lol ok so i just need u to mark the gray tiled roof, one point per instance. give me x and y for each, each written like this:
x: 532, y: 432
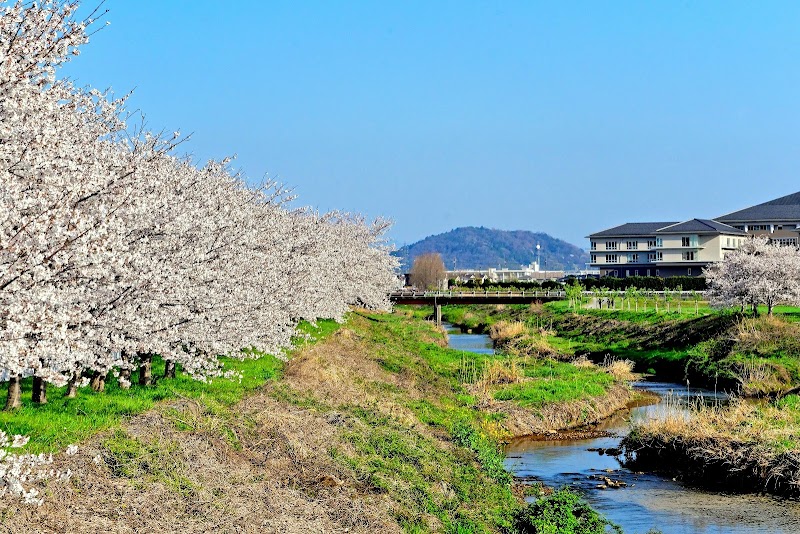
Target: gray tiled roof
x: 781, y: 209
x: 700, y: 226
x: 633, y: 229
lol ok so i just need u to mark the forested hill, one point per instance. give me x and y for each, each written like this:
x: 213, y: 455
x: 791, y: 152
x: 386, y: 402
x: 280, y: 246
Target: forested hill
x: 481, y: 248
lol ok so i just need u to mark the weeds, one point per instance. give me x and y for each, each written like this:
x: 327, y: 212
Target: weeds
x: 563, y: 512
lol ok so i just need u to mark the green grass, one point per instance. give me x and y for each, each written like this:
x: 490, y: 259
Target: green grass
x: 64, y: 421
x: 466, y: 487
x: 425, y: 478
x: 150, y: 461
x: 703, y: 348
x: 646, y: 314
x: 553, y: 381
x: 556, y: 382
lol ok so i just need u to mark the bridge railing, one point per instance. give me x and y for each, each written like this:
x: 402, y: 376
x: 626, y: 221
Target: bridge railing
x: 553, y: 293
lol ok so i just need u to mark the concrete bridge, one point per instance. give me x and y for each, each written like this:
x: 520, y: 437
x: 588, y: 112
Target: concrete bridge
x: 437, y: 299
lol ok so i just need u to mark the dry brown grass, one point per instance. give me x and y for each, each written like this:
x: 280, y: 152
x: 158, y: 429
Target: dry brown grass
x: 759, y: 377
x: 276, y: 476
x: 583, y: 362
x: 339, y: 373
x: 740, y: 420
x: 535, y: 345
x: 766, y: 335
x: 748, y: 446
x: 620, y: 369
x: 517, y: 339
x: 504, y: 331
x: 264, y: 466
x: 500, y: 372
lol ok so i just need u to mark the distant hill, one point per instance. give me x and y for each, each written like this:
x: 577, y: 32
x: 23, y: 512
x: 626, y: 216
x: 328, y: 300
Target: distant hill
x: 481, y: 248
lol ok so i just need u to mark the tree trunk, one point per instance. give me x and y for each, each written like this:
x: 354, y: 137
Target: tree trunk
x: 169, y: 369
x: 99, y: 382
x: 39, y: 393
x: 755, y: 310
x: 145, y: 369
x: 125, y: 379
x: 14, y: 399
x: 72, y: 386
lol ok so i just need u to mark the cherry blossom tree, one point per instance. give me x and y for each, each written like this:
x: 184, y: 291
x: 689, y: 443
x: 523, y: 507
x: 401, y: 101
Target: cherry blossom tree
x: 114, y: 249
x: 760, y: 272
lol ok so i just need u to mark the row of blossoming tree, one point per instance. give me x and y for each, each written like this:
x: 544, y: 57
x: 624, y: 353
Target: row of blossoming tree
x: 760, y: 272
x: 113, y: 249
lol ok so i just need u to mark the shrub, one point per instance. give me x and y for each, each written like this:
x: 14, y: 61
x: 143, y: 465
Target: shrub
x: 563, y: 512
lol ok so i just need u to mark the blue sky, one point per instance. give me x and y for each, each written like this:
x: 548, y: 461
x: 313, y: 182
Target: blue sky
x: 562, y: 117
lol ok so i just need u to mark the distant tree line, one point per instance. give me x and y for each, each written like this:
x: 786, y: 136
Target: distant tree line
x: 648, y: 283
x: 514, y: 284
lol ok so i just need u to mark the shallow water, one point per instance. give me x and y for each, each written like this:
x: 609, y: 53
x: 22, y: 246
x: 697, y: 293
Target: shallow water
x: 649, y: 501
x: 470, y: 342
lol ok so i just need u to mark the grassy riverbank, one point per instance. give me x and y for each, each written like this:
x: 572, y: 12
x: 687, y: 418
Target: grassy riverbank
x: 527, y: 390
x: 754, y: 356
x: 750, y: 447
x: 375, y: 426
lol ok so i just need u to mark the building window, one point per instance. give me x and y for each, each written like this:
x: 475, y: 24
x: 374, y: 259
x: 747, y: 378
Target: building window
x: 759, y: 228
x: 659, y: 257
x: 627, y: 273
x: 633, y: 258
x: 690, y: 241
x: 659, y: 242
x: 611, y: 245
x: 636, y: 272
x: 648, y: 272
x: 657, y: 272
x: 786, y: 241
x: 594, y: 258
x: 611, y: 258
x: 651, y: 257
x: 689, y: 271
x: 688, y: 256
x: 594, y: 245
x: 651, y: 243
x: 633, y: 245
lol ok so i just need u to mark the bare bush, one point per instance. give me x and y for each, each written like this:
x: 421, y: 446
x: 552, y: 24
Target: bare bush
x: 428, y: 271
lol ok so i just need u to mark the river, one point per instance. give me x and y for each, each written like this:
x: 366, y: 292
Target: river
x: 648, y: 501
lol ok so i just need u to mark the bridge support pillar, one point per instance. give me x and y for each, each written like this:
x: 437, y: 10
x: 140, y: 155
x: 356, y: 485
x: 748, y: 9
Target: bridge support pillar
x: 437, y: 314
